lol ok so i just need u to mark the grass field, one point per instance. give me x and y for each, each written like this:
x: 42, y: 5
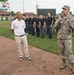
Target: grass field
x: 45, y: 44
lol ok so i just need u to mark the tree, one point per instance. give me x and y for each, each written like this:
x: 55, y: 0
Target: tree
x: 12, y: 13
x: 3, y: 0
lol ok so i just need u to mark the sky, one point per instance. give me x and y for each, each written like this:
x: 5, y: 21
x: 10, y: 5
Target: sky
x: 30, y: 5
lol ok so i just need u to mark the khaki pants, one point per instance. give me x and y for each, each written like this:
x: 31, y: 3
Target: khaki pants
x: 22, y: 44
x: 65, y: 50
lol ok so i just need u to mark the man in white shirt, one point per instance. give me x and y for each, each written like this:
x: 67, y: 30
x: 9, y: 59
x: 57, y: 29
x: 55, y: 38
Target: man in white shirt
x: 18, y: 28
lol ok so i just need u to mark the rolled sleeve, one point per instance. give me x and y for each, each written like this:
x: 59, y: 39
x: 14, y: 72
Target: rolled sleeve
x: 12, y: 25
x: 24, y: 24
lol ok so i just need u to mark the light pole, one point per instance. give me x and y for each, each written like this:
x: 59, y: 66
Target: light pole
x: 36, y: 6
x: 23, y: 7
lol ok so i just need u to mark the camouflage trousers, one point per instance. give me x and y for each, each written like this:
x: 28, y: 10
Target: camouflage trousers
x: 65, y: 50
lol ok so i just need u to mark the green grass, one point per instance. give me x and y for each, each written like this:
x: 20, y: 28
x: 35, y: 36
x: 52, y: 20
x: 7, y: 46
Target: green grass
x: 45, y: 44
x: 5, y: 29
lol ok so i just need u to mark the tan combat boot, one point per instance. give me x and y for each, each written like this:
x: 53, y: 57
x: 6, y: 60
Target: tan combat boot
x: 63, y: 65
x: 72, y: 68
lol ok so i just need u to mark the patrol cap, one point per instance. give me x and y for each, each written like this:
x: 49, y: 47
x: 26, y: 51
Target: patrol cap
x: 66, y: 7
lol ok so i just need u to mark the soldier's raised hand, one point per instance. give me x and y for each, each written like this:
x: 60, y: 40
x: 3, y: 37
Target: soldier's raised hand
x: 69, y: 22
x: 60, y: 18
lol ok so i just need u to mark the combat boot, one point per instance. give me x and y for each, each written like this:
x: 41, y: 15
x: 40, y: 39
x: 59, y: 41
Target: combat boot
x: 63, y: 65
x: 72, y: 68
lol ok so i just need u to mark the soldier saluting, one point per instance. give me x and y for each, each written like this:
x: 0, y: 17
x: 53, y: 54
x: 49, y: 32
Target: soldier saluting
x: 65, y: 25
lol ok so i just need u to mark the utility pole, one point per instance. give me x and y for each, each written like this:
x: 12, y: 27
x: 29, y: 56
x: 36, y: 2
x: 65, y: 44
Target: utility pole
x: 23, y: 7
x: 36, y: 6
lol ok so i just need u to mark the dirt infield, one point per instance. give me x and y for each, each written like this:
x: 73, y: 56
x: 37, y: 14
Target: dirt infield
x: 42, y: 63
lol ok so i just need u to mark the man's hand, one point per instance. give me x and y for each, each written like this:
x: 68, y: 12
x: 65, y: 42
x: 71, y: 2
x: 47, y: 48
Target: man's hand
x: 69, y: 23
x: 60, y: 18
x: 51, y: 26
x: 12, y: 31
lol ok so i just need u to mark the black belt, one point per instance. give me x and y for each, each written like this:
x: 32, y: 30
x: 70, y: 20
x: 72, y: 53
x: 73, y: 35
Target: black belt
x: 19, y: 35
x: 64, y: 39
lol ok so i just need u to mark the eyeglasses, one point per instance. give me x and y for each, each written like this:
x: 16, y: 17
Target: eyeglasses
x: 64, y: 9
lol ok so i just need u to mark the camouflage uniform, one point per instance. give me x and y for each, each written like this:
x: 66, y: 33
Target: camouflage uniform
x: 65, y: 38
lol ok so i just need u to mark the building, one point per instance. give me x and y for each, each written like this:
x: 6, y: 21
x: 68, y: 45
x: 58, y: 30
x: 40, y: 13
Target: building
x: 46, y: 11
x: 4, y: 10
x: 4, y: 15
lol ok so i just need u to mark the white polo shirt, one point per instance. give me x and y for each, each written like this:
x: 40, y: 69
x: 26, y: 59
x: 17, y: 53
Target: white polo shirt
x: 18, y: 27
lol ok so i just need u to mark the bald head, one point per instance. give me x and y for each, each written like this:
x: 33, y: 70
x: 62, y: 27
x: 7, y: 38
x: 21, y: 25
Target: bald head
x: 19, y: 15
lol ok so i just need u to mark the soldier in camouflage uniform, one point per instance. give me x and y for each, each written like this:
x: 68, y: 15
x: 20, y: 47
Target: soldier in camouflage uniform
x: 64, y: 25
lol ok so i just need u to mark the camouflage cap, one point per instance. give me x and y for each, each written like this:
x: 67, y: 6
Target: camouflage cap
x: 66, y: 7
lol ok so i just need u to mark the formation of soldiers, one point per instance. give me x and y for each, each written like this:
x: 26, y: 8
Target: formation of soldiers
x: 39, y: 25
